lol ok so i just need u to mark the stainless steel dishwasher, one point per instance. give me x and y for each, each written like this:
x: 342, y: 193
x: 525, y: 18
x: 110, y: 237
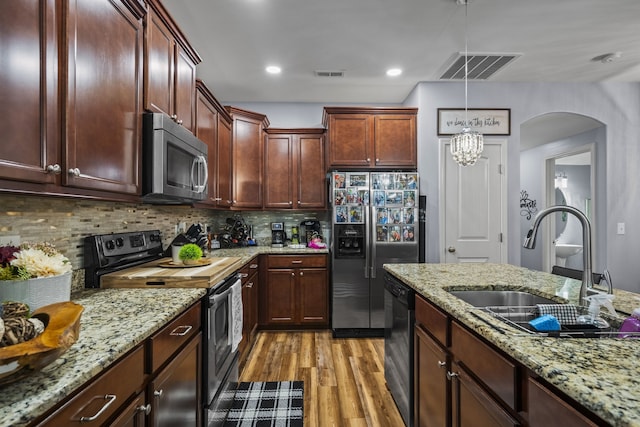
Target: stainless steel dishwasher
x: 399, y: 311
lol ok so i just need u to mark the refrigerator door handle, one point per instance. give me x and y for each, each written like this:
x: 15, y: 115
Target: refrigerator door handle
x: 372, y: 244
x: 367, y: 244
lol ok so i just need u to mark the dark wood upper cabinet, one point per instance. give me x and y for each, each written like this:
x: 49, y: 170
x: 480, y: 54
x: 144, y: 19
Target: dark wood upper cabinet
x: 364, y: 138
x: 29, y: 115
x: 248, y: 157
x: 294, y: 176
x: 103, y: 97
x: 213, y: 124
x: 170, y: 71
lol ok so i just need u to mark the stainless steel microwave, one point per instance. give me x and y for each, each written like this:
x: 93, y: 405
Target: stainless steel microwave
x: 175, y: 167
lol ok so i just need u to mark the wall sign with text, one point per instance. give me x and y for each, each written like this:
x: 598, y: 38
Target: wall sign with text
x: 484, y: 120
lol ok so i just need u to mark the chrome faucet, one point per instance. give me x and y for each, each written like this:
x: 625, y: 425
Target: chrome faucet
x: 530, y: 242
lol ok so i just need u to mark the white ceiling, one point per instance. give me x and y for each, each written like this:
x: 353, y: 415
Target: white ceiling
x: 237, y: 39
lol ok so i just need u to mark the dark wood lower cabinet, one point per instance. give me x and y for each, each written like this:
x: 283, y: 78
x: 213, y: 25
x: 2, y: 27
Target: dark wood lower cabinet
x: 295, y: 291
x: 472, y: 406
x: 135, y: 414
x: 547, y: 409
x: 432, y: 388
x: 175, y: 392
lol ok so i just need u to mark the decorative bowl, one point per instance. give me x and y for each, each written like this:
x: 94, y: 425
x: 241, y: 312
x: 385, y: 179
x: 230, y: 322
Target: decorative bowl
x: 62, y: 329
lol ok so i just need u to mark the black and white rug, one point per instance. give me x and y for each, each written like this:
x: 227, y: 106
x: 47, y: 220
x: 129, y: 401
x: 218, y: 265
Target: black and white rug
x: 263, y: 404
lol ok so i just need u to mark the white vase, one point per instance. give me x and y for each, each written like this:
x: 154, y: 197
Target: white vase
x: 37, y: 292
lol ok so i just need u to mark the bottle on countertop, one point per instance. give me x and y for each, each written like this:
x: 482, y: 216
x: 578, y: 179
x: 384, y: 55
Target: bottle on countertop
x: 631, y: 324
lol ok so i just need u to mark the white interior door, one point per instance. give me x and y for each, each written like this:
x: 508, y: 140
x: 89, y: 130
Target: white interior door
x: 473, y: 206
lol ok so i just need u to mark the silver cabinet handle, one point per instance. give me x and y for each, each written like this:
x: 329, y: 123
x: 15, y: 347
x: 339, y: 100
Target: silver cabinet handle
x: 302, y: 273
x: 174, y: 117
x: 377, y: 160
x: 253, y: 266
x: 452, y: 375
x: 180, y: 121
x: 181, y: 331
x: 74, y: 171
x: 250, y: 285
x: 451, y: 249
x: 55, y: 169
x: 293, y: 274
x: 158, y: 393
x: 110, y: 398
x: 243, y: 275
x: 144, y: 408
x: 441, y: 364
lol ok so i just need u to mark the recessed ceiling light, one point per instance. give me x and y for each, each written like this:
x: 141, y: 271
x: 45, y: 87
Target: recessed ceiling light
x: 273, y: 69
x: 393, y: 72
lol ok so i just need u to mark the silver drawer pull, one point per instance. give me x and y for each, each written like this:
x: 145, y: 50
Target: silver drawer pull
x: 181, y: 331
x: 110, y: 398
x: 297, y: 261
x: 144, y: 408
x: 158, y: 393
x: 243, y: 275
x: 253, y: 266
x: 452, y: 375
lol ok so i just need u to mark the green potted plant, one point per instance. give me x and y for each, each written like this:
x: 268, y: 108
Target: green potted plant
x: 190, y: 254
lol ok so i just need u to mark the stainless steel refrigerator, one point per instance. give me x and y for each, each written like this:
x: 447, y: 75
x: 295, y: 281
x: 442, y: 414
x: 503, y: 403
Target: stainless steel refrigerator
x: 375, y: 222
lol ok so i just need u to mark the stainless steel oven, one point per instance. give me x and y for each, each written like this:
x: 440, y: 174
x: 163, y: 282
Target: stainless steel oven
x: 222, y: 359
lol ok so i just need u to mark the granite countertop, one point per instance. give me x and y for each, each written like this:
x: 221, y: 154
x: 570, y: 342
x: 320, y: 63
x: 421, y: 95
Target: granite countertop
x: 251, y: 251
x: 113, y: 322
x: 602, y: 374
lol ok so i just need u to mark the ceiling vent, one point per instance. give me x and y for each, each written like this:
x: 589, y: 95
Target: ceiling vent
x: 481, y: 65
x: 326, y: 73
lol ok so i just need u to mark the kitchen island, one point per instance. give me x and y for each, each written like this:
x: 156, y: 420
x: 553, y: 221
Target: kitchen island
x: 600, y: 374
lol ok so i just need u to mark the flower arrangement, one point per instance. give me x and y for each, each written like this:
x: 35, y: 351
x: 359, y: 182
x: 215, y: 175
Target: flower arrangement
x: 30, y: 261
x: 190, y: 252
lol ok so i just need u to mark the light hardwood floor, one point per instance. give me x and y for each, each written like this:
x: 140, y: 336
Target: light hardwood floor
x: 343, y: 377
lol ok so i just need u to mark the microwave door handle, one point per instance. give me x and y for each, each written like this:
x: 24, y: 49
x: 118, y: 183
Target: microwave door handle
x: 205, y: 167
x: 194, y: 164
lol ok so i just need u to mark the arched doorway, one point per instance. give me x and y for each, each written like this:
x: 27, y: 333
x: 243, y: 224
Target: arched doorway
x: 562, y: 162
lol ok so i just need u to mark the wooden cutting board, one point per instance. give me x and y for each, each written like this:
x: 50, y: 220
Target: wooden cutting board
x: 152, y: 275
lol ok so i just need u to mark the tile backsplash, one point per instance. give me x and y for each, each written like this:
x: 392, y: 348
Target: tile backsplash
x: 65, y: 222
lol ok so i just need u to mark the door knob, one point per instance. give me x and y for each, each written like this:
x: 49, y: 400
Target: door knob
x: 451, y: 249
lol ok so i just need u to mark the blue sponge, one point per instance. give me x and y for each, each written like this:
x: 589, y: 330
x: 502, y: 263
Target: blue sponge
x: 545, y: 323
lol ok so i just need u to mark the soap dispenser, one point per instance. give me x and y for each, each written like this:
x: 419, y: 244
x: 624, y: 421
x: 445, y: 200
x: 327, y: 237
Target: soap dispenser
x: 595, y: 302
x: 631, y: 324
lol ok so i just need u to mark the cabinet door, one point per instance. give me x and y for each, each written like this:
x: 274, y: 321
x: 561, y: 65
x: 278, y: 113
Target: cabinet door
x: 395, y: 140
x: 432, y: 389
x: 350, y: 140
x: 207, y: 132
x: 185, y: 88
x: 314, y: 295
x: 159, y: 62
x: 279, y: 174
x: 311, y: 172
x: 175, y: 392
x: 547, y: 409
x: 247, y: 163
x: 104, y: 99
x: 134, y: 415
x: 280, y: 303
x: 224, y: 170
x: 474, y: 407
x: 30, y: 141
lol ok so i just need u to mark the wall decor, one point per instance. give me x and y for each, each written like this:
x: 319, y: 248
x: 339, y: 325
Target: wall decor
x: 484, y: 120
x: 527, y: 206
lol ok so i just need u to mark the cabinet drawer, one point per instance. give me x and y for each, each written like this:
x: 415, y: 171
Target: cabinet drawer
x: 249, y: 269
x: 295, y: 261
x: 498, y: 373
x: 97, y: 402
x: 546, y: 409
x: 432, y: 320
x: 169, y: 339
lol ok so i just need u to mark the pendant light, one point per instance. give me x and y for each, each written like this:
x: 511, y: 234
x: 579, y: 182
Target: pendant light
x: 466, y: 146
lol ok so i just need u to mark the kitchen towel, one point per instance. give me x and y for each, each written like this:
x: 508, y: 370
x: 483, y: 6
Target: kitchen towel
x: 235, y: 314
x: 567, y: 314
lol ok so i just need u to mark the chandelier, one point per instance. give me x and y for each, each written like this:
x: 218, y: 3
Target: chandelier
x: 466, y: 146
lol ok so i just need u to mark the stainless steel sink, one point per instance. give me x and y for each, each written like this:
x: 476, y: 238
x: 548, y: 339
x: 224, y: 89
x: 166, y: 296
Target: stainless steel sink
x: 492, y: 298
